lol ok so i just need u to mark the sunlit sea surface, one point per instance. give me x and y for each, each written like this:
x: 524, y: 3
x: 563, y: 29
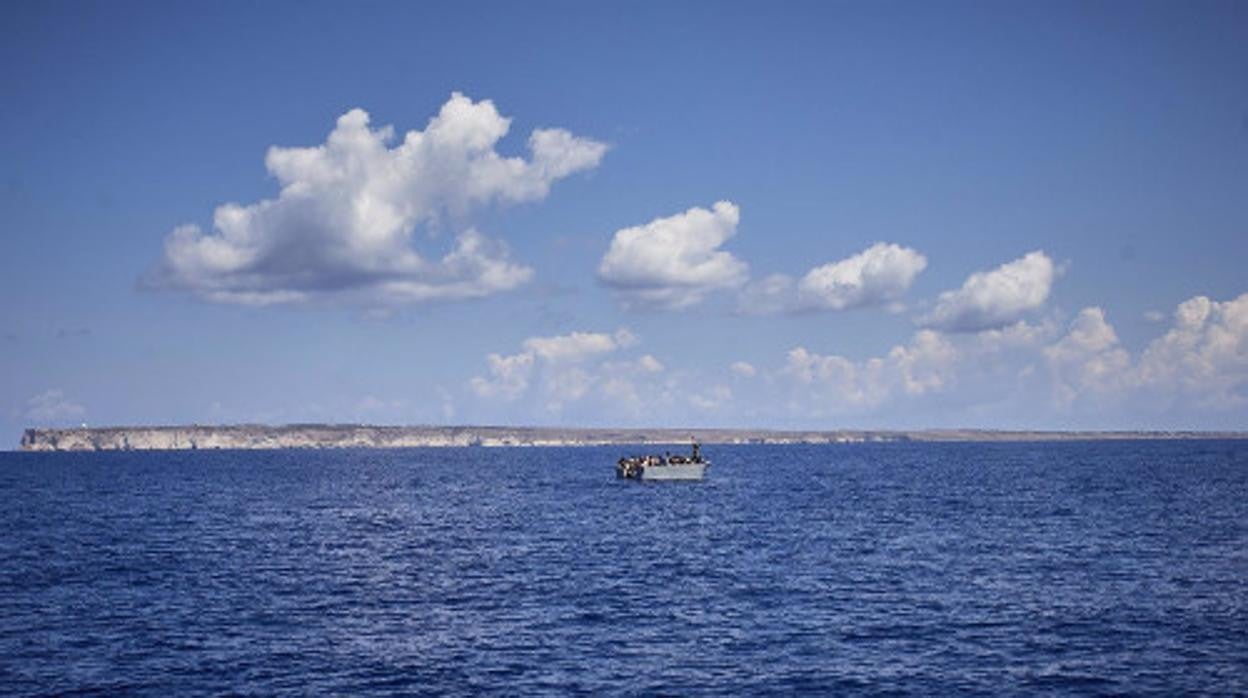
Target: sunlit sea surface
x: 921, y: 569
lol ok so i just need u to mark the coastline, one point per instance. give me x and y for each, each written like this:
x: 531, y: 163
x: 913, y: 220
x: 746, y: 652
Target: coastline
x: 322, y: 436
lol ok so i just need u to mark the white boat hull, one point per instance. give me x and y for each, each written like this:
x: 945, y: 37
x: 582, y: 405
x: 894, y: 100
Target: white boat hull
x: 679, y: 471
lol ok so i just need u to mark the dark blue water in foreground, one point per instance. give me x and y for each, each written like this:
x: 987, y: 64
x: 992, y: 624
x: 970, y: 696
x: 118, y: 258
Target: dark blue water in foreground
x: 1082, y: 568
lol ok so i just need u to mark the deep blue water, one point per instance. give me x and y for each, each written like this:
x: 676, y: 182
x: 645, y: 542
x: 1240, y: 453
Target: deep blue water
x: 921, y: 569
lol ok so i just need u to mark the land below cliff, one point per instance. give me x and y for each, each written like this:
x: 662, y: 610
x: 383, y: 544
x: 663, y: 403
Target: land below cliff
x: 359, y: 436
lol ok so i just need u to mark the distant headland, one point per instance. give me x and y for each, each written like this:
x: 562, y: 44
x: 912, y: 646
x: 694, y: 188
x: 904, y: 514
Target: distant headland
x: 156, y: 438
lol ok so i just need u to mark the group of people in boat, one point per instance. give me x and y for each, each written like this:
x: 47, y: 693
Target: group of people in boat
x: 631, y: 466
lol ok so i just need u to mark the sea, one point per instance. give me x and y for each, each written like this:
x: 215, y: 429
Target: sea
x: 1071, y: 568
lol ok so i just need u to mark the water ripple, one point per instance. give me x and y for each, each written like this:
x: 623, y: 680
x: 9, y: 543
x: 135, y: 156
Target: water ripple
x: 912, y: 569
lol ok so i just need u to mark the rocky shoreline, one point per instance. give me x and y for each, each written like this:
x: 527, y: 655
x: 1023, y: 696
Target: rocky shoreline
x: 253, y: 437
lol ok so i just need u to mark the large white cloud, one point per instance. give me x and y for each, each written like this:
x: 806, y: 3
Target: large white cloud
x: 1203, y: 358
x: 1088, y: 361
x: 1038, y: 375
x: 836, y: 384
x: 593, y: 373
x: 994, y: 299
x: 344, y: 222
x: 1025, y: 375
x: 559, y: 358
x: 577, y: 345
x: 675, y: 262
x: 878, y: 275
x: 934, y: 379
x: 1200, y: 364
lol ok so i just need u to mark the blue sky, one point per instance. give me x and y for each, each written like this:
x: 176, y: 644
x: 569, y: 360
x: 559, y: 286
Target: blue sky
x: 811, y: 215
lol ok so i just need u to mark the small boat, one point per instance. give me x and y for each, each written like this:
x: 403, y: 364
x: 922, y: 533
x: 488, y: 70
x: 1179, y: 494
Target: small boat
x: 665, y: 467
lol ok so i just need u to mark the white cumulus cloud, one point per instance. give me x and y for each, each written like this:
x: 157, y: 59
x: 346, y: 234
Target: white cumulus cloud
x: 994, y: 299
x: 1088, y: 360
x: 1080, y: 375
x: 836, y: 384
x: 675, y: 262
x: 510, y: 375
x: 925, y: 365
x: 590, y: 371
x: 343, y: 224
x: 1203, y: 358
x: 576, y: 346
x: 1038, y: 373
x: 1200, y: 365
x: 879, y: 274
